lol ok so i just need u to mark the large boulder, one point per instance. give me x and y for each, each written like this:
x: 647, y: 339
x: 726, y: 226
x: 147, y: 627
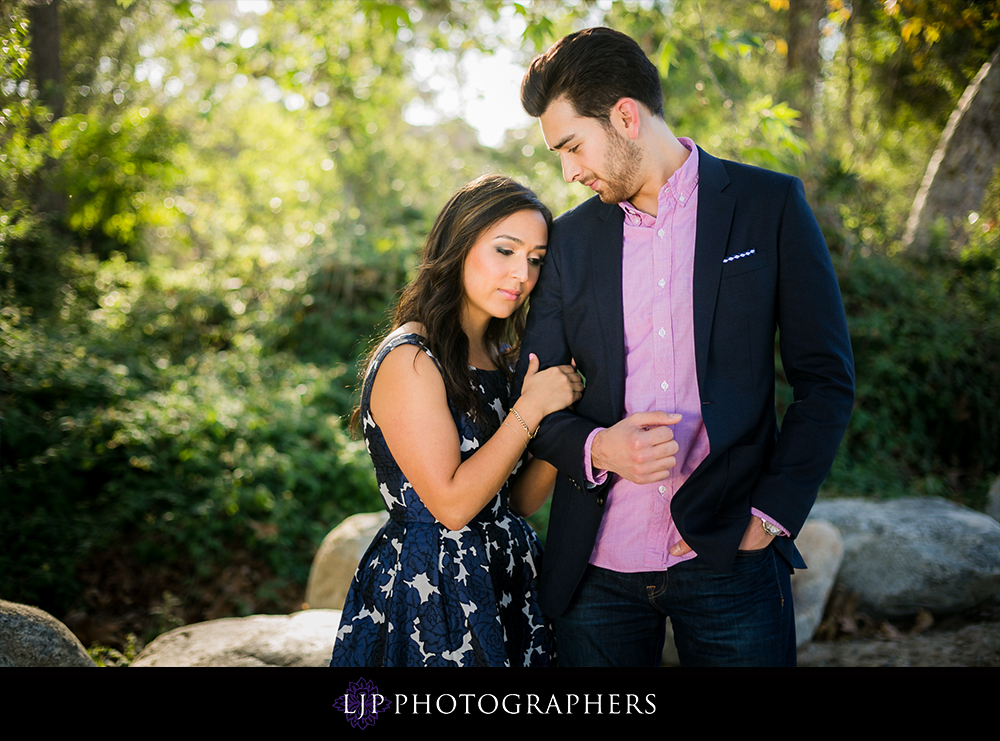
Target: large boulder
x: 823, y: 550
x: 993, y: 500
x: 32, y: 637
x: 338, y: 557
x: 916, y: 552
x: 300, y: 639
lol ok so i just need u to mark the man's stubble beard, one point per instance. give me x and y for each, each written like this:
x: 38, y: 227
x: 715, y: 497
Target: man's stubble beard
x: 621, y: 163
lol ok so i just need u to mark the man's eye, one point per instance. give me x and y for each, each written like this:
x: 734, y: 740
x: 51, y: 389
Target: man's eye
x: 573, y: 150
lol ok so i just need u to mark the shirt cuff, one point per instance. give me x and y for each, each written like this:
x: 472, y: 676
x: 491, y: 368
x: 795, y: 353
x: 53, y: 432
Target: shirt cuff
x: 757, y: 513
x: 595, y: 477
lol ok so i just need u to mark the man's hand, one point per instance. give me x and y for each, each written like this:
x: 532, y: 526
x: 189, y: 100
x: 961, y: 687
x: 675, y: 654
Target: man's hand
x: 640, y: 448
x: 754, y: 539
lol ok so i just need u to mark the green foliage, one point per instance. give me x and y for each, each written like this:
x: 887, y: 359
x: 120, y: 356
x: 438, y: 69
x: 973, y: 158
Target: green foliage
x: 141, y: 412
x: 109, y: 171
x: 927, y: 351
x: 108, y: 656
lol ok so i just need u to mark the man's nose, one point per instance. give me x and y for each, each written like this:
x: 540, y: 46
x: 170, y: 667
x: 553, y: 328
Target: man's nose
x: 571, y: 172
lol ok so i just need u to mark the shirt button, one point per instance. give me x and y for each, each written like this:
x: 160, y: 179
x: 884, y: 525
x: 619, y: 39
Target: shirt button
x: 663, y: 332
x: 663, y: 489
x: 661, y: 283
x: 664, y: 385
x: 680, y: 198
x: 659, y: 233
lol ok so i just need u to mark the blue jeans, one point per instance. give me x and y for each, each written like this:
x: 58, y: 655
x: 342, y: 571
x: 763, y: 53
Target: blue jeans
x: 740, y: 619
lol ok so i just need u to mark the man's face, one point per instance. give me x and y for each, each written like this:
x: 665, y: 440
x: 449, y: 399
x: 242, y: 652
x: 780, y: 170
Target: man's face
x: 591, y: 153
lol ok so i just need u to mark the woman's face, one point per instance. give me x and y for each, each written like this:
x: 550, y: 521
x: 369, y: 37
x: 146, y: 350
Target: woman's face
x: 502, y: 267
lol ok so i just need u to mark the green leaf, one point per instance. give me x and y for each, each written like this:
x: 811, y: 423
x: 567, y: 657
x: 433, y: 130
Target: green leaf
x: 668, y: 51
x: 183, y: 9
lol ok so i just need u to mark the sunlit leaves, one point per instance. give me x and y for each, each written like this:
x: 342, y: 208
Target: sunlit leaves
x: 668, y: 52
x: 113, y: 173
x: 390, y: 15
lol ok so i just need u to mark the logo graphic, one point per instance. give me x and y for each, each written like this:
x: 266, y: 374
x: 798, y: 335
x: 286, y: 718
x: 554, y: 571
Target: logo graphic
x: 362, y: 703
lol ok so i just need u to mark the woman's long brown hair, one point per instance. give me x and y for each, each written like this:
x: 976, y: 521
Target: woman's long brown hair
x: 435, y: 297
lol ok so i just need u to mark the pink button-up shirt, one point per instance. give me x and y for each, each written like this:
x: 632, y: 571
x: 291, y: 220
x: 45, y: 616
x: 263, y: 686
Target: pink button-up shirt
x: 637, y: 529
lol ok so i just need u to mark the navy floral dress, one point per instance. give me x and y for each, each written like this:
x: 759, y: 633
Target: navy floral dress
x: 424, y: 595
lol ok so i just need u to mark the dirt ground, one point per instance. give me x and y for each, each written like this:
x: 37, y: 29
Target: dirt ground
x: 970, y: 639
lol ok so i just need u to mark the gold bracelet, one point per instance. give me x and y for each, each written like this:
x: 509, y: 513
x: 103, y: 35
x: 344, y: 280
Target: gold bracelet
x: 504, y: 423
x: 531, y: 435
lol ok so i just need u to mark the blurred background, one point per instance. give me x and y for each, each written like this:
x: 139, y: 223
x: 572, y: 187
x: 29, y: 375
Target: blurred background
x: 207, y: 208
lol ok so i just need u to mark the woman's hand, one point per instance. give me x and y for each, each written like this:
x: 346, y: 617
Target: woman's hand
x: 549, y: 390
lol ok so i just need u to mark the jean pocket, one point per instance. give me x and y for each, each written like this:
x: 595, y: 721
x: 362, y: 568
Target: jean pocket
x: 754, y: 552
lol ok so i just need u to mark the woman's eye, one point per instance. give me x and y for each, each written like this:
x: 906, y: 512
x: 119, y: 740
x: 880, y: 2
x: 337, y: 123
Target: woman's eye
x: 537, y: 261
x: 504, y: 251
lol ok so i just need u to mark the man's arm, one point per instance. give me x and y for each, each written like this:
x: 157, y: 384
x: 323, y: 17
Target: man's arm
x: 818, y: 363
x: 562, y: 435
x: 639, y: 448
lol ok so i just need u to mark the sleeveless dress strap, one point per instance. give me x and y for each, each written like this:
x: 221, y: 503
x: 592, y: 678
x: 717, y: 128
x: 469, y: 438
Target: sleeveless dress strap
x: 410, y: 338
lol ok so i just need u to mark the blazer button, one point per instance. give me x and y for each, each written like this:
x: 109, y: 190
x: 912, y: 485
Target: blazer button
x: 600, y: 500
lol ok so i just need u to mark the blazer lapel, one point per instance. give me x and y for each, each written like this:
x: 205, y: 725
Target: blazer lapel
x: 715, y: 218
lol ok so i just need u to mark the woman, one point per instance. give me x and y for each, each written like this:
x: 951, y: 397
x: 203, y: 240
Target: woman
x: 450, y: 579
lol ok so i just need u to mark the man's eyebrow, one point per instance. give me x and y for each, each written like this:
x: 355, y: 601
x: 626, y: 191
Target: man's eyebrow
x: 562, y: 143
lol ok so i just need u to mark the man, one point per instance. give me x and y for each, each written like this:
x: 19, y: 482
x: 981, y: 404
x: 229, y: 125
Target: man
x: 677, y: 495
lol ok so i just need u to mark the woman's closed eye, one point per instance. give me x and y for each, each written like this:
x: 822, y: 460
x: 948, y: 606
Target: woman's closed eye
x: 537, y: 261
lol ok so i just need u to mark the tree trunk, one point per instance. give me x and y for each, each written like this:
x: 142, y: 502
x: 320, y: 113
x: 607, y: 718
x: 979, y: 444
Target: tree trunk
x: 803, y: 52
x: 46, y: 70
x: 45, y: 66
x: 962, y: 165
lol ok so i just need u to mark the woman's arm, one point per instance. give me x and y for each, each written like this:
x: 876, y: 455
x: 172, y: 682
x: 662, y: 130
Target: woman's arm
x: 533, y: 485
x: 410, y: 406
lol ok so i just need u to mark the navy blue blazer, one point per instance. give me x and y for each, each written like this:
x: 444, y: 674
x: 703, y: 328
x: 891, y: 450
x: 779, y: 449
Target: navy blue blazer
x: 787, y: 284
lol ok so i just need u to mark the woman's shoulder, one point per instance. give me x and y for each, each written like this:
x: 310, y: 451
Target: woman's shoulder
x: 403, y: 371
x: 411, y: 334
x: 410, y: 328
x: 404, y: 354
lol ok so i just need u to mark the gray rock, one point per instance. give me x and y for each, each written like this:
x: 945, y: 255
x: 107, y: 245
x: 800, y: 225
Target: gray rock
x: 993, y: 510
x: 823, y: 550
x: 32, y: 637
x: 904, y: 554
x: 338, y: 557
x: 669, y: 656
x: 993, y: 500
x: 300, y: 639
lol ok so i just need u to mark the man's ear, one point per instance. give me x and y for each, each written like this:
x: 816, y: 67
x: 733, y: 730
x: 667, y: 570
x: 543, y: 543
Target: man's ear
x: 625, y: 117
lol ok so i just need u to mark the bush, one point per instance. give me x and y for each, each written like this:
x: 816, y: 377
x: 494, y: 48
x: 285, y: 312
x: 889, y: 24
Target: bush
x: 927, y: 352
x: 144, y: 415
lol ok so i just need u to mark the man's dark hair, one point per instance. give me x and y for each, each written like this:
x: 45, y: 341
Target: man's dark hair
x: 594, y: 69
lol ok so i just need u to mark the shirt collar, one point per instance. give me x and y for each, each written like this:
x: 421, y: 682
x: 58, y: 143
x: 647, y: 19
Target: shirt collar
x: 679, y: 187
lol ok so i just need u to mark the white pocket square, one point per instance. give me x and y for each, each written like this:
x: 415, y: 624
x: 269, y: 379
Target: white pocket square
x: 737, y: 257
